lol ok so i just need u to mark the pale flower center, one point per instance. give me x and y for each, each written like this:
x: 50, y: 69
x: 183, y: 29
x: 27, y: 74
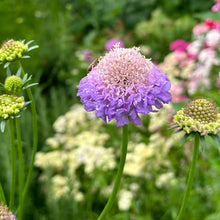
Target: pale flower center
x: 124, y: 68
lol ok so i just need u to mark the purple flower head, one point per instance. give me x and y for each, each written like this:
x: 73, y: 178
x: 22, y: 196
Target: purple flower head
x: 5, y: 213
x: 110, y: 43
x: 123, y: 84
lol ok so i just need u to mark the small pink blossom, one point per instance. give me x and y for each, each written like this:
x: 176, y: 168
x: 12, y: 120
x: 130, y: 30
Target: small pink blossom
x: 216, y: 7
x: 110, y: 43
x: 176, y: 91
x: 212, y: 38
x: 178, y: 45
x: 200, y: 28
x: 209, y: 23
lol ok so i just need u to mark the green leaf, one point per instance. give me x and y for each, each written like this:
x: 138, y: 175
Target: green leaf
x: 25, y: 57
x: 30, y: 85
x: 216, y: 139
x: 177, y: 131
x: 176, y: 126
x: 18, y: 72
x: 6, y: 64
x: 183, y: 140
x: 2, y: 125
x: 32, y: 48
x: 8, y: 72
x: 202, y: 140
x: 29, y: 42
x: 25, y: 77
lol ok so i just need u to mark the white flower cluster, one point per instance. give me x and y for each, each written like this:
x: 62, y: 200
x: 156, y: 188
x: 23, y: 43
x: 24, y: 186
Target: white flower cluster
x: 80, y: 141
x: 76, y: 142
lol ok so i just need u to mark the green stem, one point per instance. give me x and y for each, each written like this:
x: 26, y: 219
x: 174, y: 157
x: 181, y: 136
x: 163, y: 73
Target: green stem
x: 20, y: 168
x: 35, y: 137
x: 118, y: 175
x: 2, y: 195
x: 13, y: 164
x: 190, y: 177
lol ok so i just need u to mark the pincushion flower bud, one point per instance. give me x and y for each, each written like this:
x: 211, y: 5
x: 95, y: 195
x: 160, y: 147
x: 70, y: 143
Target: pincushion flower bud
x: 5, y: 213
x: 10, y: 105
x: 13, y: 84
x: 12, y: 50
x: 123, y: 84
x: 200, y: 115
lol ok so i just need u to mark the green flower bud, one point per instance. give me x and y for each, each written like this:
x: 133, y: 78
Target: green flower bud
x: 10, y: 105
x: 12, y: 50
x: 200, y: 115
x: 5, y: 213
x: 13, y: 84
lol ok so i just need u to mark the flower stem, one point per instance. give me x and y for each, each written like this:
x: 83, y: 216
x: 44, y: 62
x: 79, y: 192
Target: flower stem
x: 190, y: 177
x: 13, y: 164
x: 20, y: 168
x: 35, y: 136
x: 118, y: 175
x: 2, y: 195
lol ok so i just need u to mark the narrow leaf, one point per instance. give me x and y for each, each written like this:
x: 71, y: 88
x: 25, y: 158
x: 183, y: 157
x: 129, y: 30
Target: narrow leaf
x: 2, y: 126
x: 18, y: 72
x: 30, y: 85
x: 32, y: 48
x: 183, y: 140
x: 202, y: 140
x: 174, y: 127
x: 6, y: 64
x: 216, y: 140
x: 29, y: 42
x: 25, y: 77
x: 8, y: 72
x: 177, y: 131
x: 25, y: 57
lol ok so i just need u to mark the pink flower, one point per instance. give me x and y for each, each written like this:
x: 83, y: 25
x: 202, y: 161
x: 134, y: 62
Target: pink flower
x: 176, y: 91
x: 216, y: 7
x: 110, y: 43
x: 212, y: 38
x: 209, y: 23
x: 178, y: 45
x: 200, y: 28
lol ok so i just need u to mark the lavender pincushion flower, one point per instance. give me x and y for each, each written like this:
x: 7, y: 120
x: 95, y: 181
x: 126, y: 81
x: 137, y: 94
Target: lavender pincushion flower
x: 123, y: 84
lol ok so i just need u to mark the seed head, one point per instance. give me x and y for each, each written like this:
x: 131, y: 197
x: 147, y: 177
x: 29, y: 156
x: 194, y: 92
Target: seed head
x: 10, y: 105
x: 12, y: 50
x: 200, y: 115
x: 13, y: 84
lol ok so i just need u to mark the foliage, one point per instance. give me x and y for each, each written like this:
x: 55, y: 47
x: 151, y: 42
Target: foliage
x: 156, y: 165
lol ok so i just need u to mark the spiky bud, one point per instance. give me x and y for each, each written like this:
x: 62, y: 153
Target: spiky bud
x: 13, y: 84
x: 11, y: 50
x: 5, y: 213
x: 200, y: 115
x: 10, y: 105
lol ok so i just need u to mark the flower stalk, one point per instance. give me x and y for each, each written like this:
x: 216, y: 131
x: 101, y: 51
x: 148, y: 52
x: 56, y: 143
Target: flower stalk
x: 35, y: 141
x: 13, y: 165
x: 118, y: 175
x: 2, y: 195
x: 20, y: 167
x: 190, y: 177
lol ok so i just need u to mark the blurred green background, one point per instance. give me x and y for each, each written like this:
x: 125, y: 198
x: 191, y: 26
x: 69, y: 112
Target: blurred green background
x: 63, y: 30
